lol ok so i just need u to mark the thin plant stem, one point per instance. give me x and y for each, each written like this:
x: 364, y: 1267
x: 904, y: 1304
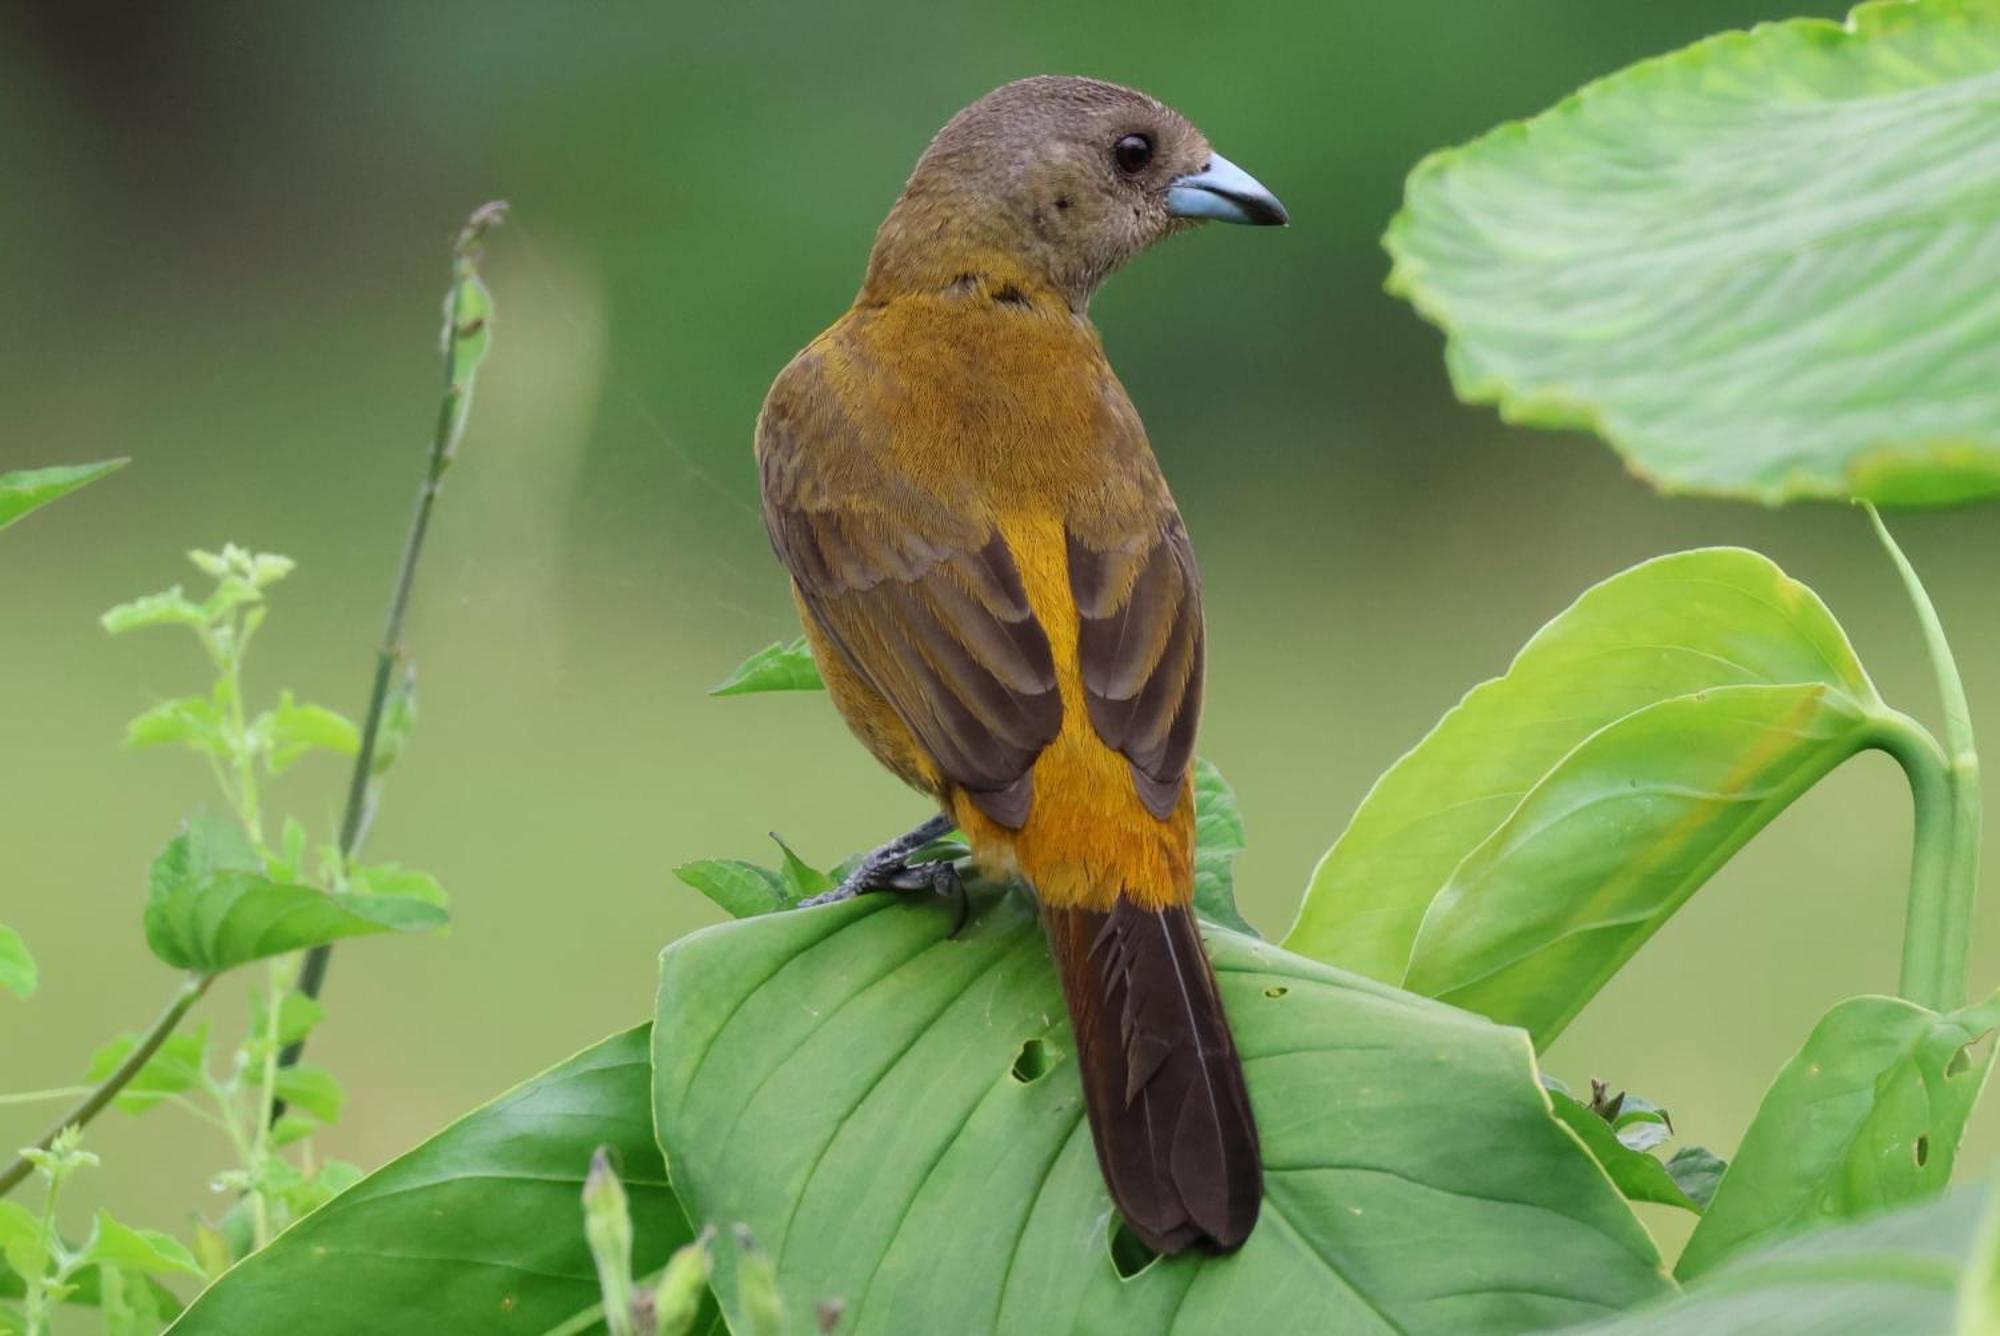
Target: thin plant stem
x: 1957, y: 877
x: 101, y: 1095
x: 1921, y: 979
x: 460, y: 364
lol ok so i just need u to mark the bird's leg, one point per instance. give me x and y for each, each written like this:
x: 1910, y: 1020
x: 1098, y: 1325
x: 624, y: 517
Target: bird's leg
x: 888, y: 868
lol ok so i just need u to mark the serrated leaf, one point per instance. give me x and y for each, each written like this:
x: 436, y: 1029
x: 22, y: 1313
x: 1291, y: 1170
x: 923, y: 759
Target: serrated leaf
x: 147, y: 1251
x: 17, y: 967
x: 190, y: 719
x: 1218, y: 838
x: 175, y: 1068
x: 207, y: 919
x: 780, y: 667
x: 1868, y: 1115
x: 739, y: 889
x: 843, y: 1081
x: 170, y: 607
x: 27, y: 490
x: 1522, y: 851
x: 474, y: 1230
x: 1766, y: 266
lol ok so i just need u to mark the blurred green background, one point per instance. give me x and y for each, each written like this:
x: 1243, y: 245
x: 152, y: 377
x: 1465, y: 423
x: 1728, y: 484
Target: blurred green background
x: 224, y: 233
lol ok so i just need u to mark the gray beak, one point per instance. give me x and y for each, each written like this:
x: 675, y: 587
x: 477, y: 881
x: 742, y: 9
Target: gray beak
x: 1225, y: 192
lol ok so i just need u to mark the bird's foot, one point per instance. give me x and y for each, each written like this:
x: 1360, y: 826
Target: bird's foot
x: 889, y: 869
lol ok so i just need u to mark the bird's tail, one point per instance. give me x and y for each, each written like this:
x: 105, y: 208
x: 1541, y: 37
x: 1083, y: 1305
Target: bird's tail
x: 1161, y: 1079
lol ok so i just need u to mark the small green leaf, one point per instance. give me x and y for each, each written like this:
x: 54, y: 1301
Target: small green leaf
x: 802, y: 879
x: 298, y: 1016
x: 177, y: 1066
x: 17, y: 968
x: 144, y: 1250
x: 190, y: 719
x: 1638, y: 1175
x: 474, y: 1230
x: 297, y: 729
x: 1516, y: 857
x: 780, y: 667
x: 1218, y: 838
x: 393, y: 879
x: 1868, y: 1115
x: 202, y: 918
x: 1760, y: 267
x: 1696, y: 1170
x: 30, y: 489
x: 168, y: 608
x: 739, y: 889
x: 312, y: 1090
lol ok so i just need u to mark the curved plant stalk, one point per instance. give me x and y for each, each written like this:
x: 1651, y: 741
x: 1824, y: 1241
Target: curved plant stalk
x: 1944, y: 872
x: 467, y: 333
x: 101, y: 1095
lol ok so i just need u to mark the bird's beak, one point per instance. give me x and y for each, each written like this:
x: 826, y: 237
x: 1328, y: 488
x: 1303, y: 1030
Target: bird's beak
x: 1226, y: 192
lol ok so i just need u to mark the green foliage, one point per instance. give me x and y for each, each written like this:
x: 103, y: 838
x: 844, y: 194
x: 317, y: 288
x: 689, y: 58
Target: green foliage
x: 1760, y: 267
x: 1548, y: 825
x: 17, y: 967
x: 1868, y: 1115
x: 1623, y: 1140
x: 28, y: 490
x: 779, y: 667
x: 844, y: 1081
x: 475, y: 1230
x: 1925, y: 1270
x: 1218, y: 838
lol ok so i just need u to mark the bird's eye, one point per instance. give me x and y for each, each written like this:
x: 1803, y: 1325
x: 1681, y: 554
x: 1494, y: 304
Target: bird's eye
x: 1132, y: 153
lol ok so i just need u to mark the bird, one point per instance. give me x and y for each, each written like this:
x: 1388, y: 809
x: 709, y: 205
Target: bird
x: 1002, y: 599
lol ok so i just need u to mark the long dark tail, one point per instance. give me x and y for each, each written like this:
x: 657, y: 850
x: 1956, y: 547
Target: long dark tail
x: 1161, y: 1078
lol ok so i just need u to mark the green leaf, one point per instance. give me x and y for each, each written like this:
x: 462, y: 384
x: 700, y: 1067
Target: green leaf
x: 1548, y: 825
x: 1761, y: 267
x: 1921, y: 1271
x: 17, y: 968
x: 1637, y: 1174
x: 1869, y: 1114
x: 780, y: 667
x: 297, y: 729
x: 845, y: 1081
x: 395, y: 879
x: 1218, y: 838
x: 168, y: 608
x: 176, y: 1067
x: 190, y: 719
x: 739, y: 889
x: 475, y: 1231
x: 801, y: 878
x: 311, y: 1089
x: 144, y: 1250
x: 201, y: 917
x: 1696, y: 1170
x: 30, y: 489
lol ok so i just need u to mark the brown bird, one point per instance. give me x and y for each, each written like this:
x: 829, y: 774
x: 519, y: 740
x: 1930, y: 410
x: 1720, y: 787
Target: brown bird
x: 1004, y: 604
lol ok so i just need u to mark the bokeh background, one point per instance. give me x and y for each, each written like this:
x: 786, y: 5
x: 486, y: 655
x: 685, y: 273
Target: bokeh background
x: 223, y: 233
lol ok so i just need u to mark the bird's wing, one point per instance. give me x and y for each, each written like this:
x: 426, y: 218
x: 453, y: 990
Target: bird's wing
x: 924, y: 600
x: 1140, y: 647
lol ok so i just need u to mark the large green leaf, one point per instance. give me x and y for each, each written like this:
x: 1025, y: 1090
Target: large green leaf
x: 895, y: 1115
x: 1869, y: 1114
x: 1925, y: 1270
x: 30, y: 489
x: 1767, y: 266
x: 478, y: 1230
x: 1520, y: 853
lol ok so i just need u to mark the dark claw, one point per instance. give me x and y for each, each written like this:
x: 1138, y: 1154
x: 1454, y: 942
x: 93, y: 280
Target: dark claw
x: 887, y: 869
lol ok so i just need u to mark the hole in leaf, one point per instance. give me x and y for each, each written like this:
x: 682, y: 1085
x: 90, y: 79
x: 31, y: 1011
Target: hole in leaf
x: 1129, y: 1254
x: 1923, y: 1151
x: 1963, y: 1060
x: 1276, y: 990
x: 1032, y: 1063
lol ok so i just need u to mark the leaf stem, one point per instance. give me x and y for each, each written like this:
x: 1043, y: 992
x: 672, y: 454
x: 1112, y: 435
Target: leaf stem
x: 1953, y: 802
x: 461, y: 357
x: 190, y: 991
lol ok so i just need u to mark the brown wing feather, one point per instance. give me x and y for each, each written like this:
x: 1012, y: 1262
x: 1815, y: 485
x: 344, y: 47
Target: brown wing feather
x: 924, y: 602
x: 1141, y: 650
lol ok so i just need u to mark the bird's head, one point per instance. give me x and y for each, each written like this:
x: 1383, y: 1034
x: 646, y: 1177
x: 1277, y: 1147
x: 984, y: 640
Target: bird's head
x: 1055, y: 182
